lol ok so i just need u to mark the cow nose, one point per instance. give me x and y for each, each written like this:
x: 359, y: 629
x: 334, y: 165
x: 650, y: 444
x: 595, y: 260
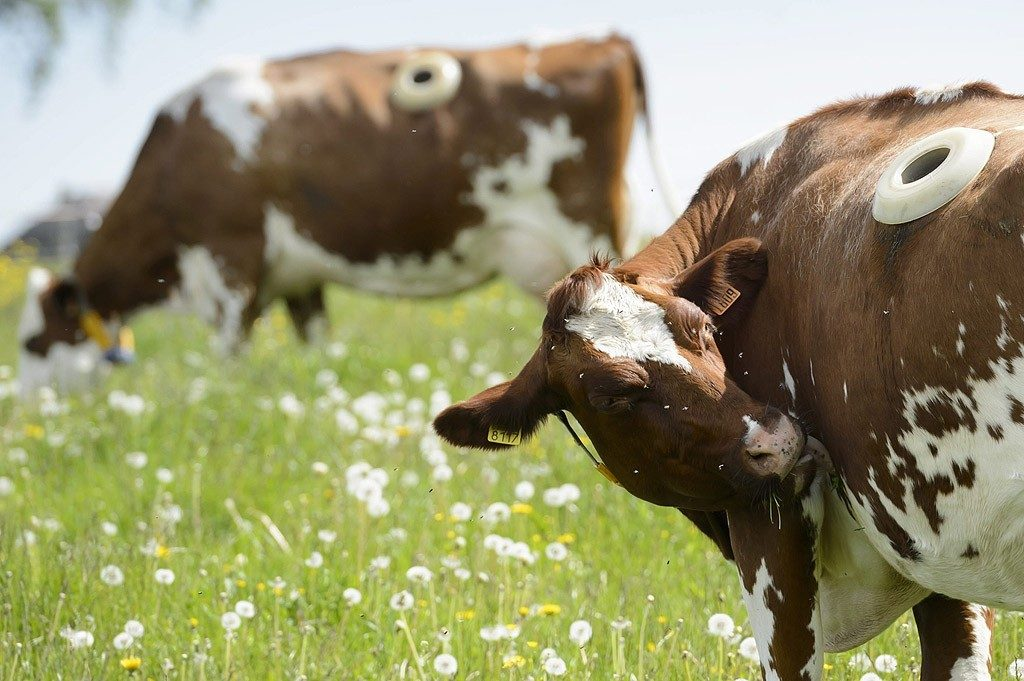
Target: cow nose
x: 771, y: 450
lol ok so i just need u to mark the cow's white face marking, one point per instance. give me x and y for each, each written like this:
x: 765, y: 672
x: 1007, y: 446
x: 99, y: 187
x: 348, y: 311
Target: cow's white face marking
x: 938, y: 93
x: 204, y: 291
x: 995, y: 450
x: 616, y: 320
x: 755, y: 217
x: 975, y: 667
x: 65, y: 366
x: 761, y: 149
x: 236, y: 99
x: 789, y: 382
x: 524, y: 234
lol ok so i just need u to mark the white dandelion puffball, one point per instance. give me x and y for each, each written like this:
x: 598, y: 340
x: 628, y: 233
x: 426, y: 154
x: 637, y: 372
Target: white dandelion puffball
x: 402, y: 601
x: 112, y: 575
x: 136, y: 460
x: 352, y: 596
x: 419, y: 574
x: 524, y: 490
x: 462, y: 574
x: 498, y: 512
x: 547, y: 654
x: 315, y: 560
x: 123, y: 641
x: 721, y: 625
x: 419, y: 372
x: 554, y: 497
x: 320, y: 468
x: 81, y: 639
x: 245, y: 609
x: 164, y: 476
x: 108, y: 528
x: 6, y: 486
x: 442, y: 473
x: 327, y: 536
x: 230, y: 621
x: 556, y: 551
x: 380, y: 563
x: 871, y: 676
x: 377, y: 508
x: 748, y: 649
x: 571, y: 492
x: 885, y: 664
x: 164, y: 576
x: 460, y: 512
x: 580, y: 632
x: 134, y: 628
x: 860, y: 662
x: 1016, y: 669
x: 290, y: 405
x: 555, y: 666
x: 446, y: 665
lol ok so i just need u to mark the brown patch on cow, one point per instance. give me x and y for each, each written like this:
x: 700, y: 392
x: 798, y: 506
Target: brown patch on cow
x: 970, y: 552
x: 946, y: 629
x: 1016, y: 410
x: 995, y: 432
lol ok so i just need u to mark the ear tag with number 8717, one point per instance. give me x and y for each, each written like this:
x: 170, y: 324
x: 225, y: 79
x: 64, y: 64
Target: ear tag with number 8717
x: 503, y: 437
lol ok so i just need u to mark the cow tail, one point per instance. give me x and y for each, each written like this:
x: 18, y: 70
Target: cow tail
x: 661, y: 175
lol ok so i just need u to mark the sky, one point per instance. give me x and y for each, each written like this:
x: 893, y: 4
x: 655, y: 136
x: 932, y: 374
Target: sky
x: 718, y: 73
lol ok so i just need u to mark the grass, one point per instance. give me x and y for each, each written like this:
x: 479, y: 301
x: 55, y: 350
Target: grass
x: 246, y: 480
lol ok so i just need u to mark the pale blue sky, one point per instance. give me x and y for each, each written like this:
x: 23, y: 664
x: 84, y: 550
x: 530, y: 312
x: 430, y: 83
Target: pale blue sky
x: 717, y: 74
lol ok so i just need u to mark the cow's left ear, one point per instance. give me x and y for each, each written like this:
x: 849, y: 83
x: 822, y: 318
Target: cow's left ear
x: 725, y: 282
x: 501, y: 416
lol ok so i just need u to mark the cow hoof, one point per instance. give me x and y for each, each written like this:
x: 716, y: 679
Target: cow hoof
x: 930, y: 173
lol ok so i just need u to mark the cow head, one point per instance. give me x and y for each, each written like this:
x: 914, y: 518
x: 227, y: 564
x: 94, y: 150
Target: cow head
x: 637, y: 364
x: 62, y: 342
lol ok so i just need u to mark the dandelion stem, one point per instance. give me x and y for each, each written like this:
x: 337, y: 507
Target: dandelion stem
x: 412, y: 645
x: 56, y: 618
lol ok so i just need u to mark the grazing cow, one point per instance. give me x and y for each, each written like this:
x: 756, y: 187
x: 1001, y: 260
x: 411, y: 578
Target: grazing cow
x: 418, y: 172
x: 858, y: 267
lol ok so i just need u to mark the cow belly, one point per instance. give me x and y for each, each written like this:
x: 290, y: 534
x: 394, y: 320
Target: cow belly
x: 860, y: 592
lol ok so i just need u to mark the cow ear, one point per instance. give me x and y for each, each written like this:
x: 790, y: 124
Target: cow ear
x: 725, y: 282
x: 501, y: 416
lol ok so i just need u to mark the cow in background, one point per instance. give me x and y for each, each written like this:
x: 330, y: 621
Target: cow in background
x: 417, y: 172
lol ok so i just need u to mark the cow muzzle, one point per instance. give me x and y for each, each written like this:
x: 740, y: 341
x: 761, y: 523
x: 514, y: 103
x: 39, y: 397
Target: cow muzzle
x: 772, y: 451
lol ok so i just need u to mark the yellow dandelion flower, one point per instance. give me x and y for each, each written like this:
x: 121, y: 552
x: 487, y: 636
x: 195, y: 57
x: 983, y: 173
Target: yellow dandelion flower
x: 662, y: 619
x: 557, y: 567
x: 439, y: 516
x: 522, y: 509
x: 402, y: 431
x: 422, y: 602
x: 279, y: 591
x: 161, y: 551
x: 131, y: 664
x: 450, y: 534
x: 828, y: 666
x: 664, y: 534
x: 513, y: 661
x: 532, y: 644
x: 523, y: 610
x: 193, y: 622
x: 651, y: 647
x: 34, y: 431
x: 567, y: 538
x: 465, y: 615
x: 549, y: 609
x: 329, y: 493
x: 240, y: 583
x: 260, y: 586
x: 535, y: 538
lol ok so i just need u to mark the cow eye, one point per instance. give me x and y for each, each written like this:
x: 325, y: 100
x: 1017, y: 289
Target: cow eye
x: 426, y: 80
x: 611, y: 404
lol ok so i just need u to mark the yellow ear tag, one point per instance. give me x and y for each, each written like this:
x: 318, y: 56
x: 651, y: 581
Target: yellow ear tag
x: 603, y: 470
x: 718, y: 307
x: 503, y: 437
x: 126, y: 339
x: 92, y: 325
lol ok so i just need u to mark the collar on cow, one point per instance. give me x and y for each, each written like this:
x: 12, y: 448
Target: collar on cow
x: 602, y: 469
x: 120, y: 352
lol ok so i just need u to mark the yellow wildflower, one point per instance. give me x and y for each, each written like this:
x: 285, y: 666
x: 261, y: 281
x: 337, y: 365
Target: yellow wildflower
x: 651, y: 647
x: 402, y: 431
x: 550, y: 609
x: 513, y: 661
x: 464, y: 615
x: 193, y: 622
x: 439, y: 516
x: 240, y: 583
x: 522, y: 509
x: 532, y: 644
x: 662, y: 619
x: 523, y: 610
x: 260, y: 586
x: 131, y: 664
x: 161, y: 551
x: 567, y: 538
x: 34, y: 431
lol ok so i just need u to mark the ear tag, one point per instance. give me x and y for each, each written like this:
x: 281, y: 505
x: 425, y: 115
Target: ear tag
x: 603, y: 470
x: 93, y: 327
x: 503, y: 437
x: 730, y: 296
x: 126, y: 339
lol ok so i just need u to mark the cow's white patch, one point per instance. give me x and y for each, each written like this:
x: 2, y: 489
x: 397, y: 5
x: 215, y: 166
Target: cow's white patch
x: 846, y: 393
x: 237, y: 100
x: 938, y: 93
x: 533, y: 80
x: 619, y: 322
x: 994, y: 450
x: 204, y: 291
x: 790, y: 384
x: 975, y: 667
x: 762, y: 619
x: 755, y: 217
x: 761, y: 149
x: 960, y: 339
x: 544, y: 37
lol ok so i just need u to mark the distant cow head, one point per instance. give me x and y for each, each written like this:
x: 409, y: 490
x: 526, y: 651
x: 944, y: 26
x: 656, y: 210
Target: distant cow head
x: 638, y: 366
x: 62, y: 342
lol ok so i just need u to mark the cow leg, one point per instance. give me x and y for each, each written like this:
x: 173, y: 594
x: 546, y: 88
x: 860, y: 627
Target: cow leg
x: 309, y: 315
x: 775, y: 544
x: 956, y: 639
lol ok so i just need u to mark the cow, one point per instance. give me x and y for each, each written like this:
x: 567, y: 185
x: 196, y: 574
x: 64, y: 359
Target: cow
x: 850, y: 279
x: 417, y: 172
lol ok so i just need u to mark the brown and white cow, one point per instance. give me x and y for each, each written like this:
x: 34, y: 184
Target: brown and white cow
x: 415, y: 172
x: 860, y: 268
